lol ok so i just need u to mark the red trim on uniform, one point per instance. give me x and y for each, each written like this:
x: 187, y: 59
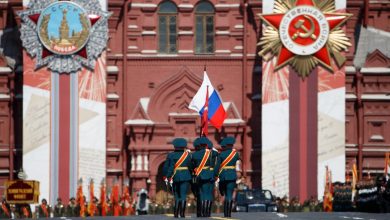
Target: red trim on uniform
x: 227, y: 160
x: 199, y: 169
x: 64, y: 135
x: 179, y: 162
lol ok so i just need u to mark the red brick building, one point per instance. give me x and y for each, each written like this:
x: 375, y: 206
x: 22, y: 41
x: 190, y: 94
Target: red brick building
x: 156, y: 56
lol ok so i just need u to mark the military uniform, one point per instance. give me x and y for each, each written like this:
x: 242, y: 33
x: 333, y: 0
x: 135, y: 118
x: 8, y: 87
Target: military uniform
x: 205, y: 175
x: 5, y: 210
x: 213, y: 161
x: 178, y: 172
x: 225, y: 172
x: 59, y: 209
x: 44, y: 209
x: 71, y: 209
x: 194, y: 184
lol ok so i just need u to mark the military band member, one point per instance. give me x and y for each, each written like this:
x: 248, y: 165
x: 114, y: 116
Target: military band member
x: 179, y: 175
x: 44, y: 209
x: 5, y: 211
x: 24, y: 211
x: 59, y: 209
x: 202, y: 162
x: 225, y: 173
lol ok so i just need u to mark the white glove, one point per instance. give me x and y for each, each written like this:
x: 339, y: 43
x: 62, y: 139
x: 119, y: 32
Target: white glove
x: 188, y: 150
x: 166, y: 181
x: 171, y: 182
x: 217, y: 182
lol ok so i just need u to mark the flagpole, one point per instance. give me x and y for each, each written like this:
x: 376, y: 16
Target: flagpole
x: 205, y: 120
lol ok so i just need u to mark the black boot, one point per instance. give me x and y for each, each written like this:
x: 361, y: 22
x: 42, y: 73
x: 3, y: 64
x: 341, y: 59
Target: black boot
x: 209, y: 208
x: 176, y: 209
x: 225, y: 208
x: 230, y: 204
x: 198, y: 208
x: 204, y: 208
x: 183, y: 209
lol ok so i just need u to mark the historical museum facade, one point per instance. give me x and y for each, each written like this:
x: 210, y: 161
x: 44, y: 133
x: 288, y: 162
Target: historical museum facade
x: 155, y: 60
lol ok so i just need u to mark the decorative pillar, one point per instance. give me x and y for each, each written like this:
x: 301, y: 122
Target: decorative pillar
x: 64, y: 121
x: 305, y: 104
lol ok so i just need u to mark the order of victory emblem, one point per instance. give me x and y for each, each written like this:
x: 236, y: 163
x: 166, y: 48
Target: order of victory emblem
x: 65, y: 35
x: 304, y: 33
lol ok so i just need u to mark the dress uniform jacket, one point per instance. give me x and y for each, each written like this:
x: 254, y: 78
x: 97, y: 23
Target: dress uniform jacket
x: 229, y: 171
x: 182, y: 173
x: 206, y: 173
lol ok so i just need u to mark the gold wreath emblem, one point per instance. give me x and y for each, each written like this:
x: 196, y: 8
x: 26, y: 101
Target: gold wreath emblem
x: 337, y: 41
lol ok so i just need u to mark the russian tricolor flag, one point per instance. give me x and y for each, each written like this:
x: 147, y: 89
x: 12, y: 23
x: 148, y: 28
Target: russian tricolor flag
x: 212, y: 106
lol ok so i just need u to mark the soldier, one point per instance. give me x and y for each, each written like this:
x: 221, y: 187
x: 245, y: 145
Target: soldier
x: 44, y: 209
x: 59, y: 209
x: 202, y: 162
x: 71, y: 209
x: 194, y: 185
x: 24, y: 211
x: 225, y: 173
x: 179, y: 175
x: 213, y: 161
x: 5, y: 211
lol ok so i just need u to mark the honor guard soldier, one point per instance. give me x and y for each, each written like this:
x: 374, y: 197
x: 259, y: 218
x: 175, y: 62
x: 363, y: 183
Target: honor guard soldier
x: 194, y: 185
x: 225, y: 173
x: 204, y: 176
x: 59, y: 209
x: 179, y: 175
x: 213, y: 162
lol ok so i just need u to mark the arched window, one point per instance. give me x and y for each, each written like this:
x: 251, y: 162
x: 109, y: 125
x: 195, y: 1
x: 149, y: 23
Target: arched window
x: 204, y: 28
x: 167, y: 35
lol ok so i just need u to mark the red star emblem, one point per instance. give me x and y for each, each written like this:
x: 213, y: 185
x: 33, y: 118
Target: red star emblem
x: 295, y: 29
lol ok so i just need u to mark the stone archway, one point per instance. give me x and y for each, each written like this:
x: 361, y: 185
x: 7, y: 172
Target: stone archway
x: 162, y: 195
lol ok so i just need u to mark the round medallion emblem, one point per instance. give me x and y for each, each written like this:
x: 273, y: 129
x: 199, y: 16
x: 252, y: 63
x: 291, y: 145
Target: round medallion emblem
x: 63, y: 28
x: 304, y: 30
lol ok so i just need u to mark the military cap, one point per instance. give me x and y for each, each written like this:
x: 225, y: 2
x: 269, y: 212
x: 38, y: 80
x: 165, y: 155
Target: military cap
x: 228, y: 141
x: 203, y: 141
x: 196, y: 142
x: 179, y: 143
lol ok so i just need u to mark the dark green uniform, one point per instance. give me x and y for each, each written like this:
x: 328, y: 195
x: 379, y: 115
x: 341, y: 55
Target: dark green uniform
x: 44, y: 210
x: 213, y: 161
x: 71, y: 209
x: 194, y: 184
x: 204, y: 178
x: 59, y: 210
x: 181, y: 176
x: 227, y: 175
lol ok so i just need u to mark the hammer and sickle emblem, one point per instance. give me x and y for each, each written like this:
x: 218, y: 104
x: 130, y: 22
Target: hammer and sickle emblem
x: 307, y: 32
